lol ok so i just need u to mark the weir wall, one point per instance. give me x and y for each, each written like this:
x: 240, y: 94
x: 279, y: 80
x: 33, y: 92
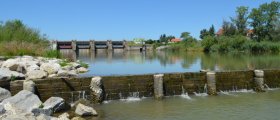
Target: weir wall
x: 122, y: 87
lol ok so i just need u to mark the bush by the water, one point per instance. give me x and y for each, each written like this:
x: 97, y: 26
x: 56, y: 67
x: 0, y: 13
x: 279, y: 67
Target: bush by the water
x: 17, y: 39
x: 238, y: 44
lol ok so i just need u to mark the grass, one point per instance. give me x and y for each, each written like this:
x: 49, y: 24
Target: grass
x: 85, y: 65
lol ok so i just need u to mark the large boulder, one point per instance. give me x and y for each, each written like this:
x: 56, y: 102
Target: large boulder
x: 32, y: 68
x: 50, y: 68
x: 2, y: 109
x: 64, y: 73
x: 4, y: 94
x: 6, y: 74
x: 83, y: 110
x: 45, y: 117
x: 24, y: 100
x: 11, y: 64
x: 13, y: 113
x: 55, y: 104
x: 77, y: 118
x: 36, y: 74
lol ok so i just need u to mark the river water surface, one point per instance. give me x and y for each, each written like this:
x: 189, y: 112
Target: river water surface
x: 122, y: 63
x: 243, y: 105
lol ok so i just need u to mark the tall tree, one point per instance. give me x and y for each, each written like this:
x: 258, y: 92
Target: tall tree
x: 241, y: 19
x: 204, y: 33
x: 185, y: 35
x: 263, y: 19
x: 212, y: 31
x: 228, y: 28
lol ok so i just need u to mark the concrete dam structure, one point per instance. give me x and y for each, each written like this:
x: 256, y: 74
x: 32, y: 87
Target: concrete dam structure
x: 150, y: 85
x: 93, y: 45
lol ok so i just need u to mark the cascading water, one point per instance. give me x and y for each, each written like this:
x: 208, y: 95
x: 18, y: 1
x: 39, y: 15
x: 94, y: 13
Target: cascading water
x: 266, y: 86
x: 204, y: 92
x: 185, y: 94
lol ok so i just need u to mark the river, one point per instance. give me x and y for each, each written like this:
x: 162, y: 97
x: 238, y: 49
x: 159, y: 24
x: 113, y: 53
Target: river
x: 104, y: 63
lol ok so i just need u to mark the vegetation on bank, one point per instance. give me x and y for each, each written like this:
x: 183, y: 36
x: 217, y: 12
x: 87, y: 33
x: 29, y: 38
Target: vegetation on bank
x: 255, y: 31
x: 17, y: 39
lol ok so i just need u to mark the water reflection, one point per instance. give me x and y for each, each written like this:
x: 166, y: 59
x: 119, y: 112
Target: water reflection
x: 119, y: 62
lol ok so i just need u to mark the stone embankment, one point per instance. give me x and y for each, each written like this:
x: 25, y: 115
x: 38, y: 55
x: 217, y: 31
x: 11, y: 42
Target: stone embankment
x: 28, y: 67
x: 25, y: 105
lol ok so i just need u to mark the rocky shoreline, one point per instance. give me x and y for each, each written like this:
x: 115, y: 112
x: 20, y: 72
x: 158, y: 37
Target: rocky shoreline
x: 26, y: 105
x: 29, y: 68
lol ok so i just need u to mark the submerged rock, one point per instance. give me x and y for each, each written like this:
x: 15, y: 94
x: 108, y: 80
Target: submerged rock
x: 4, y: 94
x: 83, y: 110
x: 24, y: 100
x: 55, y: 104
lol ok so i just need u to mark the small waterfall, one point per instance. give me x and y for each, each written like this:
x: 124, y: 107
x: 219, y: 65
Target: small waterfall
x: 205, y: 89
x: 185, y: 94
x: 204, y: 92
x: 266, y: 86
x: 120, y: 96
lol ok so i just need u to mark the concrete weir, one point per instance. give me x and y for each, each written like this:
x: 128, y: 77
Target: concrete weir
x: 103, y: 88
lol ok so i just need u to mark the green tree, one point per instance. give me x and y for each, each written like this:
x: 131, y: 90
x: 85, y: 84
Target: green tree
x: 165, y: 39
x: 262, y: 20
x: 228, y: 28
x: 212, y: 31
x: 204, y: 33
x: 241, y: 19
x: 185, y: 35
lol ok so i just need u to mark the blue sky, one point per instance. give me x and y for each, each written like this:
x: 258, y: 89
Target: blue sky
x: 120, y: 19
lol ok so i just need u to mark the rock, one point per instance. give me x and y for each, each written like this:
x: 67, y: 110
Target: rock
x: 11, y: 64
x: 6, y: 74
x: 162, y: 47
x: 4, y: 94
x: 13, y: 113
x: 39, y: 111
x: 55, y: 104
x: 96, y: 89
x: 2, y: 109
x: 45, y: 117
x: 32, y: 68
x: 52, y: 76
x: 24, y: 100
x: 83, y: 110
x: 50, y: 68
x: 64, y: 73
x: 36, y: 74
x: 29, y: 85
x: 64, y: 116
x: 75, y: 65
x: 77, y: 118
x: 82, y: 70
x: 67, y: 68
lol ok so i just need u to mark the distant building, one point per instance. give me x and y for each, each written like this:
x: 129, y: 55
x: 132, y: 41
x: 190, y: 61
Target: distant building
x: 220, y: 32
x: 249, y: 33
x: 175, y: 40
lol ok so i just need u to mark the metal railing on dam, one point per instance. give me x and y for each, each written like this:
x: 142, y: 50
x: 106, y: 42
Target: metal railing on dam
x: 150, y: 85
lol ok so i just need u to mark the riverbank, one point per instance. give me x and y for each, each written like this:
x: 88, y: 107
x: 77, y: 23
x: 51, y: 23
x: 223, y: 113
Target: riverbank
x: 31, y: 68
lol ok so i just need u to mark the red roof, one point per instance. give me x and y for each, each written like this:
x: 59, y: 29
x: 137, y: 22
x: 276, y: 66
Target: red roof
x: 175, y: 40
x: 220, y: 32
